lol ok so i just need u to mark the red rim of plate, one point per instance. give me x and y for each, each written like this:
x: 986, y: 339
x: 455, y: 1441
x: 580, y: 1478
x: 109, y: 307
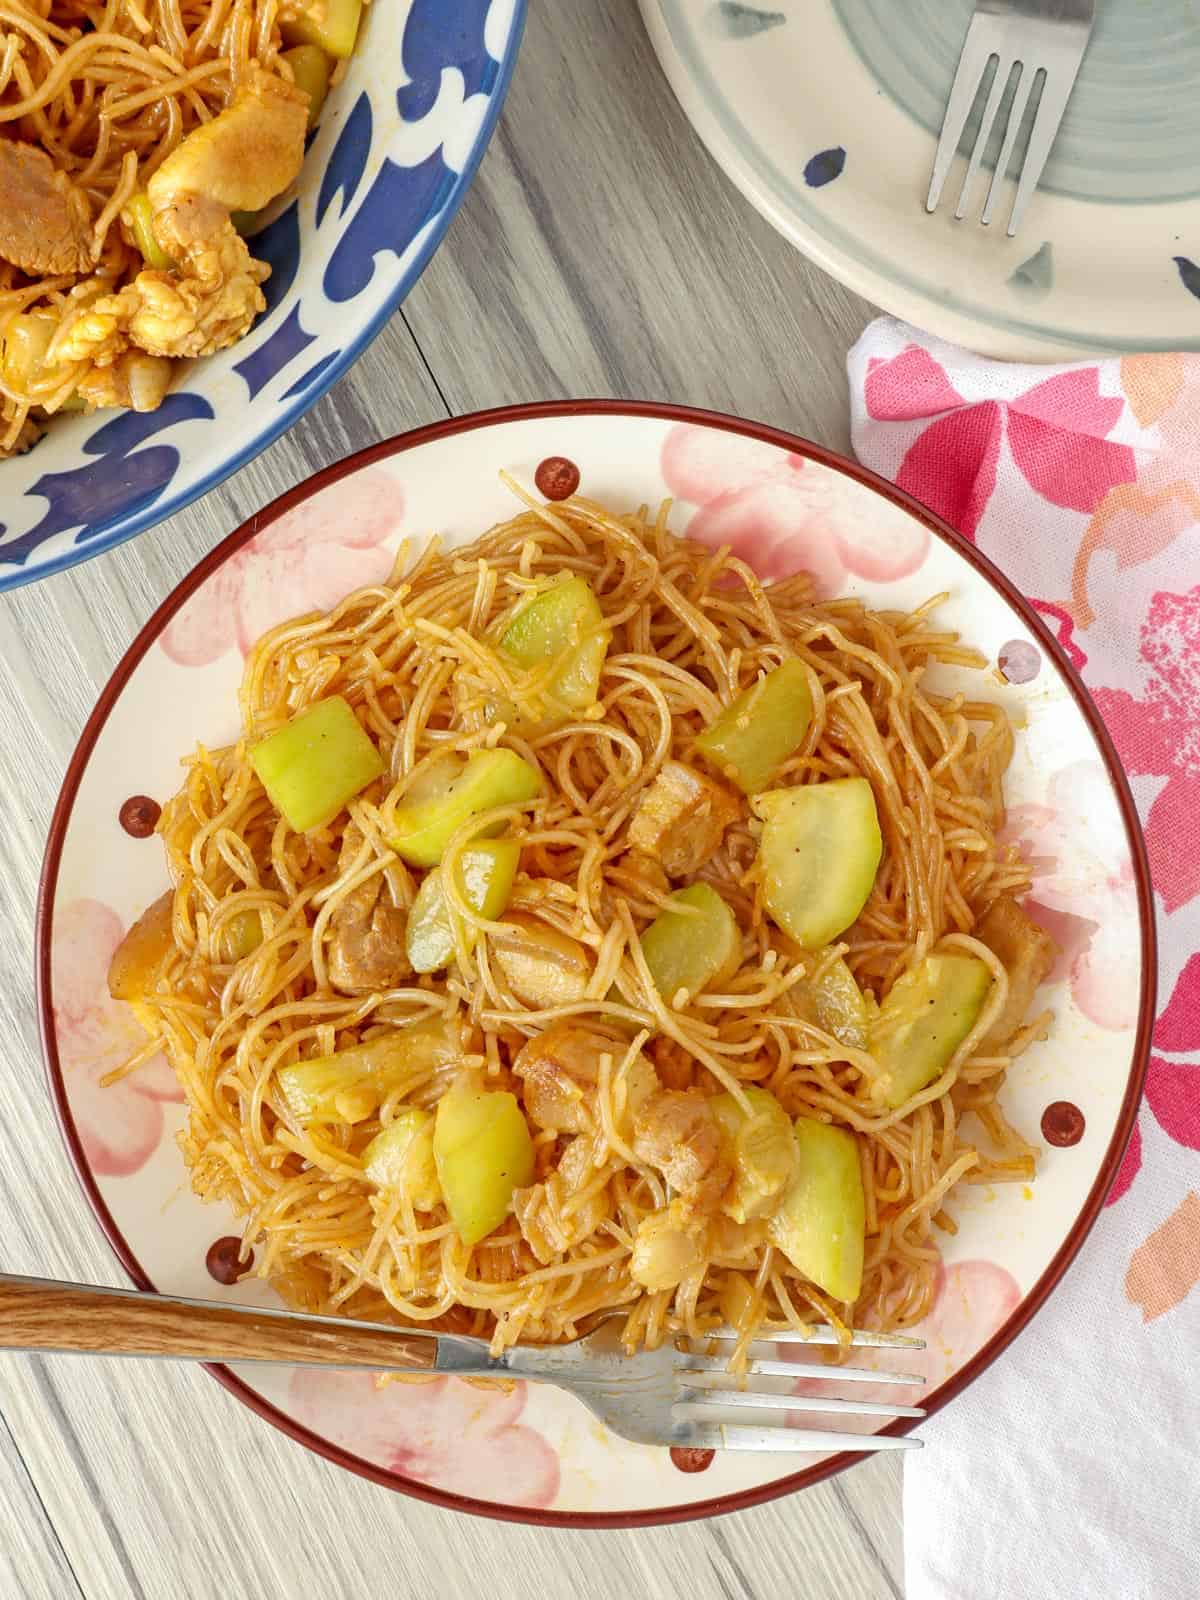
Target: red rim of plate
x: 216, y: 558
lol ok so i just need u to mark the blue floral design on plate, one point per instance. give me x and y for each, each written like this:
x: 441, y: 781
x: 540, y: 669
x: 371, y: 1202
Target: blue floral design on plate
x: 824, y: 167
x: 375, y: 197
x: 1189, y: 274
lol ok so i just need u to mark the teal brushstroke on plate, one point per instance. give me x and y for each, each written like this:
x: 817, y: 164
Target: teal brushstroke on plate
x: 731, y: 20
x: 1035, y: 278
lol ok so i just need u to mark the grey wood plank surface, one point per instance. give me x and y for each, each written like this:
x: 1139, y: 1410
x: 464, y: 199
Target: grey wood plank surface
x: 600, y: 252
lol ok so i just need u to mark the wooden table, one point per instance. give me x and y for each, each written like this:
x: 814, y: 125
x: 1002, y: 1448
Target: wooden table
x: 600, y: 252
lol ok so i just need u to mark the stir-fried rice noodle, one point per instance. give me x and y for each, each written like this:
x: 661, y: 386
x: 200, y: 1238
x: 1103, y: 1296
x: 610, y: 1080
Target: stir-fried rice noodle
x: 417, y: 658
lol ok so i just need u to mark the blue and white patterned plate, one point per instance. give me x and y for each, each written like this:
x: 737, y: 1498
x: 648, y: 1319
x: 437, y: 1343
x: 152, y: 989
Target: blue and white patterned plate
x: 825, y: 114
x: 398, y: 143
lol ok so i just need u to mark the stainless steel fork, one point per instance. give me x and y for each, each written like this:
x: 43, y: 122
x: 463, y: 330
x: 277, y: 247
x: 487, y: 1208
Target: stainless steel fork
x: 680, y: 1394
x: 684, y: 1394
x: 1031, y: 42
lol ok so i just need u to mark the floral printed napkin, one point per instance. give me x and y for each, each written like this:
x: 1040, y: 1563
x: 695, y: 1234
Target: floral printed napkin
x: 1070, y: 1468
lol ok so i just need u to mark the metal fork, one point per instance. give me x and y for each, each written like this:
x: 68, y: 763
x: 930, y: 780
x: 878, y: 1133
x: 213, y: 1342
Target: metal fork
x: 683, y: 1394
x: 1029, y: 40
x: 680, y: 1394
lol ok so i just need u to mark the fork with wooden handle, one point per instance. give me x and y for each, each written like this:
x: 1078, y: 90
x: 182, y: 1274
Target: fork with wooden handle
x: 680, y: 1394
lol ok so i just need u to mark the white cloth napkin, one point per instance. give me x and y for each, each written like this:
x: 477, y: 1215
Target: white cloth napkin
x: 1072, y: 1467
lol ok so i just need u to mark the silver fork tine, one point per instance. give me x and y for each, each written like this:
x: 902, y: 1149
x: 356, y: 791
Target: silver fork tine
x: 794, y: 1369
x: 976, y: 52
x: 1032, y: 42
x: 1056, y: 91
x: 715, y: 1398
x: 815, y: 1336
x: 727, y: 1436
x: 763, y: 1350
x: 1004, y: 68
x: 687, y: 1396
x: 1016, y: 115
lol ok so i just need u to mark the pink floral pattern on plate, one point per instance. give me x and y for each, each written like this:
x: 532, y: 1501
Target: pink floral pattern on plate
x: 780, y: 513
x: 307, y: 560
x: 447, y: 1433
x: 1083, y: 891
x: 119, y: 1126
x: 973, y: 1300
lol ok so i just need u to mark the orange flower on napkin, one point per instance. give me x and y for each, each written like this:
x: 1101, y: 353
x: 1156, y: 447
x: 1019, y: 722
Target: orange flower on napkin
x: 1165, y: 1268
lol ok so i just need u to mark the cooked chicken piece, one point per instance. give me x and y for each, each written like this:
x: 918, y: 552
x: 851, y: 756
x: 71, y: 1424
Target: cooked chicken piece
x: 136, y: 381
x: 560, y: 1069
x: 1027, y: 953
x: 45, y: 221
x: 681, y: 819
x: 366, y: 943
x: 667, y: 1248
x: 543, y: 966
x: 547, y: 1217
x: 245, y: 156
x: 209, y: 304
x: 675, y: 1131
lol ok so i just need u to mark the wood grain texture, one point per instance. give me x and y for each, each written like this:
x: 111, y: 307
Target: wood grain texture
x: 599, y: 252
x: 83, y: 1319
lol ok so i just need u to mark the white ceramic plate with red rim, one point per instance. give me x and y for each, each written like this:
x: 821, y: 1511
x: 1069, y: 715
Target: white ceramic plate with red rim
x: 536, y: 1454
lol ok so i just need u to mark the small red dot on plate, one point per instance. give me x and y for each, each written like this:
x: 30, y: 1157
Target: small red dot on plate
x: 223, y: 1261
x: 139, y: 816
x: 689, y: 1460
x: 1062, y: 1123
x: 1019, y: 661
x: 557, y: 478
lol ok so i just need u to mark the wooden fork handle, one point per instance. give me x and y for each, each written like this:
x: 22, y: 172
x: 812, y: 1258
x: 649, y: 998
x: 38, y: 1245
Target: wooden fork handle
x: 44, y: 1314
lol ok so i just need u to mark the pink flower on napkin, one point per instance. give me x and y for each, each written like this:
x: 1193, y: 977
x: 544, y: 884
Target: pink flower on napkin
x: 1062, y: 625
x: 1165, y: 1267
x: 1138, y: 521
x: 1172, y: 1087
x: 307, y: 560
x: 1056, y: 434
x: 782, y: 514
x: 1159, y: 735
x: 119, y: 1126
x: 453, y: 1435
x: 1131, y: 1165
